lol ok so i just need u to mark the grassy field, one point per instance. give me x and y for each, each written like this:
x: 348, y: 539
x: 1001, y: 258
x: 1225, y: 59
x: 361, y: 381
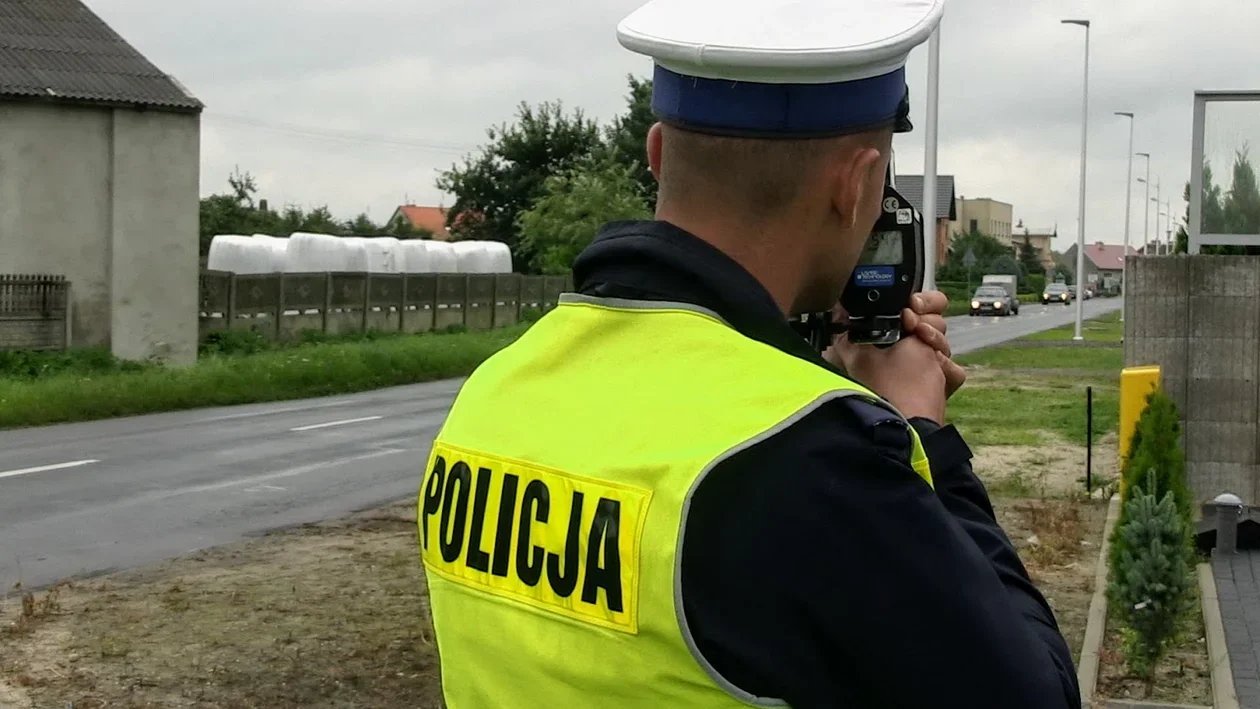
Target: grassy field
x: 83, y: 386
x: 1033, y: 391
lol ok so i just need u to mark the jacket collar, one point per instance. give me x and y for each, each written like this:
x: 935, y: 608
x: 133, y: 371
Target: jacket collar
x: 656, y: 260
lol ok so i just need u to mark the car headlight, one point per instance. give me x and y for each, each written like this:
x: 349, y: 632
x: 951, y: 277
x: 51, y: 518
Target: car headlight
x: 997, y: 303
x: 975, y: 304
x: 1065, y: 296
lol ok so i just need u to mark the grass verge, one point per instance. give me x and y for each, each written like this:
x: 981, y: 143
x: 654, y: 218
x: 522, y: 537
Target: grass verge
x: 293, y: 372
x: 1105, y: 328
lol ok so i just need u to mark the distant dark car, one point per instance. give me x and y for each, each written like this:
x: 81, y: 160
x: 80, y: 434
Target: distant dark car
x: 1056, y: 293
x: 993, y: 300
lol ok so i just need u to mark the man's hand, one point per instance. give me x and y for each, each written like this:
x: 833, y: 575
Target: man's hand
x: 916, y: 375
x: 925, y: 318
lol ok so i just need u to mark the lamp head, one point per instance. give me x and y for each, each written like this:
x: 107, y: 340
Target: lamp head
x: 1124, y: 113
x: 1082, y: 23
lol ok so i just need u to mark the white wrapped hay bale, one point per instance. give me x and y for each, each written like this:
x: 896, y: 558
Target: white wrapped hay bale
x: 384, y: 255
x: 320, y: 253
x: 499, y: 257
x: 279, y: 249
x: 417, y: 257
x: 471, y: 256
x: 442, y: 257
x: 236, y: 253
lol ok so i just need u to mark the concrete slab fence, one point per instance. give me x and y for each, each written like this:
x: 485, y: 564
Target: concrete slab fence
x: 1198, y: 318
x: 282, y: 305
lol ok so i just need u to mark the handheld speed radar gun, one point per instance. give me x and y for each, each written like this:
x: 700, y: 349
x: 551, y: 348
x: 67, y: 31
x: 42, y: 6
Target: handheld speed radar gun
x: 888, y: 272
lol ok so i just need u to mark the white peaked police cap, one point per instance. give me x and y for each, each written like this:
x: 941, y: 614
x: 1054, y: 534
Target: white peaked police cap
x: 781, y: 68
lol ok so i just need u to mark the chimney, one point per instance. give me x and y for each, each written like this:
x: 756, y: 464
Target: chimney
x: 1099, y: 244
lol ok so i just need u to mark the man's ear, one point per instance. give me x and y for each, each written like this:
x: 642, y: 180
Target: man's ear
x: 854, y: 181
x: 654, y: 150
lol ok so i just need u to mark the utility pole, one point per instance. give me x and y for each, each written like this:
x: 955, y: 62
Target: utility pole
x: 1146, y: 204
x: 1080, y: 232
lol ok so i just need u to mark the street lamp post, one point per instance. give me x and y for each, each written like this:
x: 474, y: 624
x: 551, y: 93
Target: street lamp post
x: 1080, y: 233
x: 1128, y: 207
x: 1155, y: 199
x: 1146, y: 209
x: 929, y: 160
x: 1168, y: 216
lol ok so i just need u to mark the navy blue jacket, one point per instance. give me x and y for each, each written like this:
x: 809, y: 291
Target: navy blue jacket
x: 816, y: 566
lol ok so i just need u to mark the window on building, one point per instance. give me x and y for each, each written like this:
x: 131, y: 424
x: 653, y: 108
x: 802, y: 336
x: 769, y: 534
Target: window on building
x: 975, y: 225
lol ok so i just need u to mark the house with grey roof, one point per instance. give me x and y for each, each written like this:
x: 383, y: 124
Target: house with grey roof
x: 99, y: 178
x: 911, y: 187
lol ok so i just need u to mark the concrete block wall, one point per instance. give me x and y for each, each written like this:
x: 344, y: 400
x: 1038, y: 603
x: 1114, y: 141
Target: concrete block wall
x: 109, y: 199
x: 1198, y: 317
x: 32, y: 333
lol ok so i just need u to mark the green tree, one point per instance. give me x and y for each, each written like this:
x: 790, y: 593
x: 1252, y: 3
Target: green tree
x: 574, y: 205
x: 1156, y: 446
x: 627, y: 136
x: 1234, y: 212
x: 1151, y: 585
x: 1030, y: 257
x: 494, y: 187
x: 229, y: 213
x: 984, y: 248
x: 363, y: 225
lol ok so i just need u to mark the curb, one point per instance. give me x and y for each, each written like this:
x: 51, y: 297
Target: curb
x: 1223, y: 694
x: 1096, y: 624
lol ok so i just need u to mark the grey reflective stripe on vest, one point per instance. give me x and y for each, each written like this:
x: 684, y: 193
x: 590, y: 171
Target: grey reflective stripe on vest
x: 716, y: 676
x: 629, y: 304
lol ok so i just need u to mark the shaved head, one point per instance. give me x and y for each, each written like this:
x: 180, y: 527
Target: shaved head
x: 762, y: 177
x: 795, y: 213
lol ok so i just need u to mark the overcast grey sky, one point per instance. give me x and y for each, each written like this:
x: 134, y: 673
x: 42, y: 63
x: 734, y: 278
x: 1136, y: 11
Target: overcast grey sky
x: 416, y: 83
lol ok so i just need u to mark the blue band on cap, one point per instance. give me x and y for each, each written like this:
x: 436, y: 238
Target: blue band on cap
x: 782, y: 110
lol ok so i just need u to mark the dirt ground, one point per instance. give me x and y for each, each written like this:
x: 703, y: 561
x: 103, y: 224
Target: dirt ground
x: 333, y: 616
x: 1183, y: 677
x: 1058, y: 541
x: 1052, y: 470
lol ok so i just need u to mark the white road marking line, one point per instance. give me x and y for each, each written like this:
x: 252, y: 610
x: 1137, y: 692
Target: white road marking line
x: 273, y: 412
x: 336, y: 423
x: 45, y: 468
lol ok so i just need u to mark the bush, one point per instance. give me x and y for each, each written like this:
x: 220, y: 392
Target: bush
x: 1151, y: 587
x: 36, y: 364
x: 1035, y: 283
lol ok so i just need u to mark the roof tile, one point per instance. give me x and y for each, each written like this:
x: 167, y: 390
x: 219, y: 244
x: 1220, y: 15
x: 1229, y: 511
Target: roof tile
x: 911, y: 187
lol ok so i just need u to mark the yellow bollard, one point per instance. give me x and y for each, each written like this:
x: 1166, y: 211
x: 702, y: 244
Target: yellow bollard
x: 1135, y: 384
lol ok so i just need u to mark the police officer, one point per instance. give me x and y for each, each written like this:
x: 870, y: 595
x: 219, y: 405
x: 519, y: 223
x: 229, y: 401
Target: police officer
x: 661, y: 496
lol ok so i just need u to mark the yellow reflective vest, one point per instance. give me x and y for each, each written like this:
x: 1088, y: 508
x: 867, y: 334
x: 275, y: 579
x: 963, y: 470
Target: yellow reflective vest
x: 554, y: 501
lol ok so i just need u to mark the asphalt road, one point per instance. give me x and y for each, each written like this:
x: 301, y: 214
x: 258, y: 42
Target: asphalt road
x: 88, y: 498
